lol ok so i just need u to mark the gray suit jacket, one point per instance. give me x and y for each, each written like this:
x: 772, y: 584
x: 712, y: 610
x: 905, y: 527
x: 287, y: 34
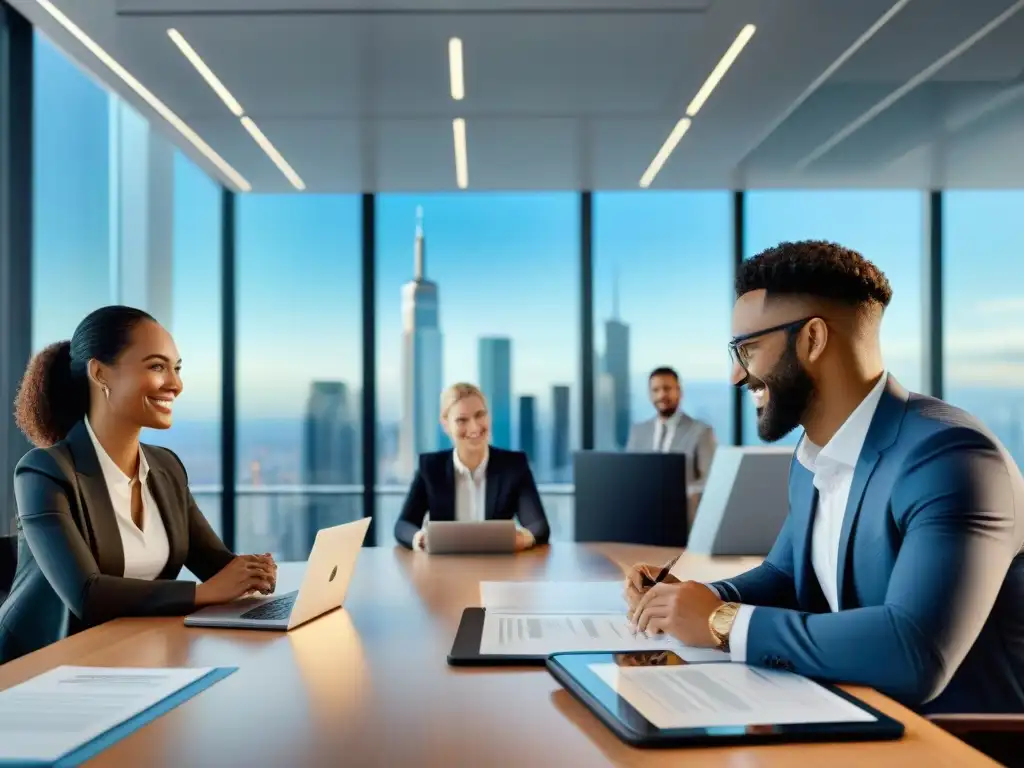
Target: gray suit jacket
x: 692, y: 437
x: 70, y: 573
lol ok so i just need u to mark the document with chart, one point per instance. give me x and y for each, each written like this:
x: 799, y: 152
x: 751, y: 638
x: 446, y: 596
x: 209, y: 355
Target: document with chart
x: 541, y: 634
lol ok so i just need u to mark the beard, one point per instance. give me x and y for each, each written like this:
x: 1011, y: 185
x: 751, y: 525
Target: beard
x: 790, y: 390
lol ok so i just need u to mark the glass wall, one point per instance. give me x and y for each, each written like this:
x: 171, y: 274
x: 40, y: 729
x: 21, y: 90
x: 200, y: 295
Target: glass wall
x: 886, y: 227
x: 299, y: 369
x: 983, y: 303
x: 662, y: 297
x: 481, y: 288
x: 195, y: 323
x: 71, y: 251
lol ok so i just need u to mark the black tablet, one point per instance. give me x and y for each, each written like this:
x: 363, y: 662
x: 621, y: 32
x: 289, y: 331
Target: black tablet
x: 465, y: 650
x: 655, y: 699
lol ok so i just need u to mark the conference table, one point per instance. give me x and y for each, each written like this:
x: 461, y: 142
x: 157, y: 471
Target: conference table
x: 369, y: 685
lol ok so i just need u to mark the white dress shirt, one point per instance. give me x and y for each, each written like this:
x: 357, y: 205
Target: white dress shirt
x: 833, y: 467
x: 665, y: 432
x: 146, y: 550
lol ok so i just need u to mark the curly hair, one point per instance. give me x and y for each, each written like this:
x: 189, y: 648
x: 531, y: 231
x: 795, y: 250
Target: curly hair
x: 815, y: 268
x: 54, y: 391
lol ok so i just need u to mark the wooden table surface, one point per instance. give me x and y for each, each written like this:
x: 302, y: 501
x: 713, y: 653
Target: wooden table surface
x: 369, y: 686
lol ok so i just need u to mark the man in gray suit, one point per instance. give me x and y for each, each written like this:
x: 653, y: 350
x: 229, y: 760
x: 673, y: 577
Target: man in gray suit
x: 672, y: 431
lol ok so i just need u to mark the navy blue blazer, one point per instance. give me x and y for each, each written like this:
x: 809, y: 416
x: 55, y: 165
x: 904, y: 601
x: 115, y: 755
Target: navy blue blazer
x: 930, y: 572
x: 511, y: 494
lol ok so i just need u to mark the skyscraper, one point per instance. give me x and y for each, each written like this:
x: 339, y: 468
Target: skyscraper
x: 604, y: 413
x: 328, y: 458
x: 528, y: 427
x: 560, y: 428
x: 616, y: 365
x: 495, y: 362
x: 421, y: 360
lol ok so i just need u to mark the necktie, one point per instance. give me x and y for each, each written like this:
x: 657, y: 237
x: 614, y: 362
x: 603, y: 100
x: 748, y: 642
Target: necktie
x: 663, y: 440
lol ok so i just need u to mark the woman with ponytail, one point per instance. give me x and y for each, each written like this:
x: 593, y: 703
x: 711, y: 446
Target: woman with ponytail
x: 106, y: 523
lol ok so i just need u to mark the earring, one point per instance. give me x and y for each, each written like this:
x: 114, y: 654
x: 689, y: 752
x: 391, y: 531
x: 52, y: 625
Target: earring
x: 106, y: 392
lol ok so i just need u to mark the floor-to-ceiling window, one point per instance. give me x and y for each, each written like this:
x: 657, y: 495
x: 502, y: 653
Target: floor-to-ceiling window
x: 983, y: 307
x: 885, y: 226
x: 71, y: 253
x: 195, y: 322
x: 482, y: 288
x: 299, y: 374
x: 662, y: 296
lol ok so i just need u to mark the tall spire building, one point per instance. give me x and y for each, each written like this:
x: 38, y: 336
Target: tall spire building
x: 421, y: 360
x: 616, y: 368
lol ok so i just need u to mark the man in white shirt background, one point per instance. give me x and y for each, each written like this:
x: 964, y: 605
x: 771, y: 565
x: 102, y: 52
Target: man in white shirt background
x: 672, y: 430
x: 899, y: 566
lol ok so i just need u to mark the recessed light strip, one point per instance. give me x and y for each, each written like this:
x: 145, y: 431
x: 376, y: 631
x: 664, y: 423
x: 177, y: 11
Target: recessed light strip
x: 272, y: 153
x: 730, y: 56
x: 232, y: 104
x: 146, y: 95
x: 461, y: 162
x: 921, y: 77
x: 212, y: 80
x: 455, y: 70
x: 702, y: 95
x: 666, y: 149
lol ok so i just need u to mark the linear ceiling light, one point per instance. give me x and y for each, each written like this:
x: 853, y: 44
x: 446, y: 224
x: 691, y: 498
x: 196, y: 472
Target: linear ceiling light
x: 461, y: 163
x: 455, y: 69
x: 221, y: 90
x: 712, y: 81
x: 666, y: 149
x: 272, y: 153
x: 924, y: 75
x: 730, y: 56
x: 212, y: 80
x: 146, y: 95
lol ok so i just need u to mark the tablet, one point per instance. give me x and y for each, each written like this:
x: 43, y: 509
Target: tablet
x: 655, y: 699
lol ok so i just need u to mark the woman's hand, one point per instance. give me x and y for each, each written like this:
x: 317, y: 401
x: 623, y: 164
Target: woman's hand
x: 244, y: 574
x: 524, y: 539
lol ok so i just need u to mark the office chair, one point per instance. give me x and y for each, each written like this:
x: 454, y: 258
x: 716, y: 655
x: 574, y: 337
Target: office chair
x: 8, y: 563
x: 1001, y: 737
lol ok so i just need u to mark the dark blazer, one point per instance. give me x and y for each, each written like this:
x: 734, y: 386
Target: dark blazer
x: 70, y: 559
x: 930, y: 570
x: 511, y: 494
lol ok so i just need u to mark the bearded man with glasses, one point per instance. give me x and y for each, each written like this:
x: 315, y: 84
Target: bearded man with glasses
x: 899, y: 566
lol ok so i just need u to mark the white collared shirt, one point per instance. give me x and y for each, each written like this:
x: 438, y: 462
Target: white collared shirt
x: 146, y: 550
x: 665, y: 432
x: 470, y: 490
x: 833, y: 467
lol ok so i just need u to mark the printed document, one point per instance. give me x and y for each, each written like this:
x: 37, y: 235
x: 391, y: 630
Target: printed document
x: 708, y: 695
x: 45, y: 718
x: 553, y: 596
x: 540, y: 634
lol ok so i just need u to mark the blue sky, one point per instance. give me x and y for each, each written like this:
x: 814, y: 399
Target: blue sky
x: 507, y: 264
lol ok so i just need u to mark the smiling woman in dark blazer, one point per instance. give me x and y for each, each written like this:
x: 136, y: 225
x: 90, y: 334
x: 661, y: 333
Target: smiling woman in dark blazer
x: 106, y: 523
x: 475, y: 481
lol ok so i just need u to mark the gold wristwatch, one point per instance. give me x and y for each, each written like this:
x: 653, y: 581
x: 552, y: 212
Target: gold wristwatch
x: 720, y: 623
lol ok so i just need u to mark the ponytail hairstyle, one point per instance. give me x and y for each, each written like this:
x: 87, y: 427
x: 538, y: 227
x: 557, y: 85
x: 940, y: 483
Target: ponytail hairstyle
x: 54, y: 392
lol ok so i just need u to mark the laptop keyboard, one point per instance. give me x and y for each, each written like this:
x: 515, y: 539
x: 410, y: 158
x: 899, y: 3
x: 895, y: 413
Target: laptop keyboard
x: 272, y: 610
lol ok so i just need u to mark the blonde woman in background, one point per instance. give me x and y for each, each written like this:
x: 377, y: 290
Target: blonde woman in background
x: 474, y: 482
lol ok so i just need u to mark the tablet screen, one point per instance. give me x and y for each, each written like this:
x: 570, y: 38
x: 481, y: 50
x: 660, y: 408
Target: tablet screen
x: 671, y: 694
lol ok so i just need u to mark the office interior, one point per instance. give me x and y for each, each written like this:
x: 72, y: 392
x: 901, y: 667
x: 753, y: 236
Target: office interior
x: 563, y: 220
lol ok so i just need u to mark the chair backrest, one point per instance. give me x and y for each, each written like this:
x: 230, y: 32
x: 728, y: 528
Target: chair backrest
x: 8, y: 564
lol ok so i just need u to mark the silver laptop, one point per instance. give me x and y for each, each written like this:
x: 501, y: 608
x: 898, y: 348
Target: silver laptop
x: 324, y: 585
x: 486, y: 537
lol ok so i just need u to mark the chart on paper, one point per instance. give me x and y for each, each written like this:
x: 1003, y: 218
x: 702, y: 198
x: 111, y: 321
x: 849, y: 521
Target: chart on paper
x: 521, y: 634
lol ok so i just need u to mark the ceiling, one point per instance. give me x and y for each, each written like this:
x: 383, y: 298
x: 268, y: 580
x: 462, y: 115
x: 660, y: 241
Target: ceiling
x: 581, y: 94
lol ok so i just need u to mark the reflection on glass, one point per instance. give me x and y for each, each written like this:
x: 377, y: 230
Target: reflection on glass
x: 886, y: 227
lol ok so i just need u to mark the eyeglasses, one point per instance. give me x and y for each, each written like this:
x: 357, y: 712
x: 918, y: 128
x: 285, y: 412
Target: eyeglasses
x: 738, y: 351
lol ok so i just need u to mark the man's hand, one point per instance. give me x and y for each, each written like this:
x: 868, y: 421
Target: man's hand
x: 641, y: 577
x: 682, y: 610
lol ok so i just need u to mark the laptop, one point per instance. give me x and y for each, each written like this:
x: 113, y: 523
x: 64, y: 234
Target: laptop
x: 324, y: 585
x: 448, y: 537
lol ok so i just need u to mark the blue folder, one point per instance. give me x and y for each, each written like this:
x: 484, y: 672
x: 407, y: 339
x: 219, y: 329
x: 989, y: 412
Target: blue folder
x: 92, y: 748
